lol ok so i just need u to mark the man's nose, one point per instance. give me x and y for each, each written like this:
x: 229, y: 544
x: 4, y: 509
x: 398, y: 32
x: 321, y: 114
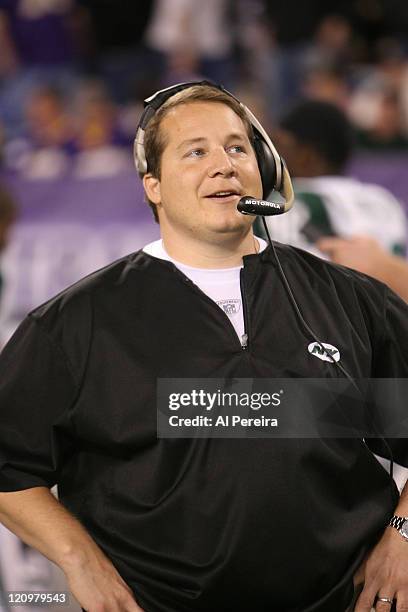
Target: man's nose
x: 220, y: 163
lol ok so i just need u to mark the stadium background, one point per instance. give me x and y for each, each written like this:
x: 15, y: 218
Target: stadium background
x: 73, y: 74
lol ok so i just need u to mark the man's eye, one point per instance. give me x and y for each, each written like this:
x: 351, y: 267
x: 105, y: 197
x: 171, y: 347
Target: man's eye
x: 196, y: 153
x: 237, y: 149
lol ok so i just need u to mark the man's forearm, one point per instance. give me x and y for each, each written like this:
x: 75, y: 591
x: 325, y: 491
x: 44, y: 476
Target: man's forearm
x: 395, y: 275
x: 41, y: 521
x: 367, y: 255
x: 36, y: 517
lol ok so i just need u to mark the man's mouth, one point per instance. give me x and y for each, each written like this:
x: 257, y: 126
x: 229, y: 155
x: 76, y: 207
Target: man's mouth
x: 224, y: 195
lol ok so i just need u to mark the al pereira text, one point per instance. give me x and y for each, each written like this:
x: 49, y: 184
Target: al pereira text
x: 222, y: 421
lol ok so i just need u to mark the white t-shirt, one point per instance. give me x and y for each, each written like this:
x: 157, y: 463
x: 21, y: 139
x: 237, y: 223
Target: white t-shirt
x: 222, y: 285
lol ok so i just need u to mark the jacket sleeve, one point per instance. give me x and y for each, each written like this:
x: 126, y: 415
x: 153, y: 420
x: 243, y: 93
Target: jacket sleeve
x: 392, y: 357
x: 37, y: 390
x: 391, y: 362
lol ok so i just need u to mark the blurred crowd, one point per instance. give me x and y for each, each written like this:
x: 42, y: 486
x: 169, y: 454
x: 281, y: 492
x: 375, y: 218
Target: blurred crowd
x: 74, y: 73
x: 73, y: 77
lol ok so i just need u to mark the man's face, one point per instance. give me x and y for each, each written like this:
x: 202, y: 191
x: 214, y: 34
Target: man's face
x: 207, y: 165
x: 290, y: 150
x: 302, y: 160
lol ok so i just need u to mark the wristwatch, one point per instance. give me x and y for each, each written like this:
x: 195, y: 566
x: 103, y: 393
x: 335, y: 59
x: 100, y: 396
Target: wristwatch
x: 400, y: 523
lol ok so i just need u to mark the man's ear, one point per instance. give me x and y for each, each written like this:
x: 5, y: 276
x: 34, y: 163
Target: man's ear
x: 151, y: 186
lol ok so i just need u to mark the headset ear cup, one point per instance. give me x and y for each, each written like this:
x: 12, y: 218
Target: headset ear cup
x: 266, y: 164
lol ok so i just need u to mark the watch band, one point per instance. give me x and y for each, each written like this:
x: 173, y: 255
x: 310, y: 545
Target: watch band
x: 400, y: 523
x: 397, y: 521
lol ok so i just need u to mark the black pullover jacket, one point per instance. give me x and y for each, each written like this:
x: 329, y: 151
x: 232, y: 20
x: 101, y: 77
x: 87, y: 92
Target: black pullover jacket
x: 209, y: 525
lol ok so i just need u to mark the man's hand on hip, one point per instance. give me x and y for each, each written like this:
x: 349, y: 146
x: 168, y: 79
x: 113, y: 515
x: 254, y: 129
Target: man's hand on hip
x: 386, y: 575
x: 98, y: 587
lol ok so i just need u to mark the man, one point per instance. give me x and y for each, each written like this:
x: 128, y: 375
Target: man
x: 179, y: 525
x: 317, y: 140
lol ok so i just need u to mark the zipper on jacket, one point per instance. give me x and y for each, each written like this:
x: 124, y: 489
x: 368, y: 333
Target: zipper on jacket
x: 243, y: 340
x: 244, y: 337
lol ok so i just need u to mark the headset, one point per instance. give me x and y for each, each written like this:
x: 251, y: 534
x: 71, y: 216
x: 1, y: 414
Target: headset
x: 272, y: 168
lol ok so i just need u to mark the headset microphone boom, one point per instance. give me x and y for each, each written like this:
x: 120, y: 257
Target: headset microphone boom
x: 262, y: 208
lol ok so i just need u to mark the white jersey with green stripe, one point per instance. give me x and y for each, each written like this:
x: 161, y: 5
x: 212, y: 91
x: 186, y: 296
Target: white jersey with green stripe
x: 341, y: 206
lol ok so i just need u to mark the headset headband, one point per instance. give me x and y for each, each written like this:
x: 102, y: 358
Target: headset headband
x: 282, y: 183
